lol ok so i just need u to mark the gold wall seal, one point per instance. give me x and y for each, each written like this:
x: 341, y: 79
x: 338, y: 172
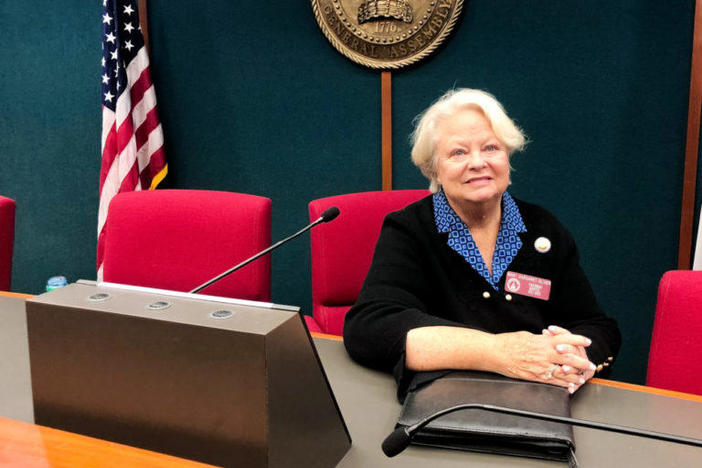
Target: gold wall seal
x: 386, y: 34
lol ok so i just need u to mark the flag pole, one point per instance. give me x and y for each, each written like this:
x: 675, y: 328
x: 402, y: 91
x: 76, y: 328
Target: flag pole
x: 692, y: 144
x: 386, y: 128
x: 144, y: 23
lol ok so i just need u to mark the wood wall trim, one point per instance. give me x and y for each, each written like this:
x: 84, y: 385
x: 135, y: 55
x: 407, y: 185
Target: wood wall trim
x: 17, y: 295
x: 386, y: 125
x: 645, y: 389
x: 326, y: 336
x: 144, y: 22
x: 687, y: 212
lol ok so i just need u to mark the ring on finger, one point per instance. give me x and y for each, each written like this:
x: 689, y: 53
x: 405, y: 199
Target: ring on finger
x: 549, y: 374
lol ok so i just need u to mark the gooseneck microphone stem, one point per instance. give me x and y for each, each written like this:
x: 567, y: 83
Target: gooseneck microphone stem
x: 401, y: 437
x: 327, y: 216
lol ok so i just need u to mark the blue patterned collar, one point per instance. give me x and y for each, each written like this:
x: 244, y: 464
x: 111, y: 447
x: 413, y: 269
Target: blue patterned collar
x: 460, y: 239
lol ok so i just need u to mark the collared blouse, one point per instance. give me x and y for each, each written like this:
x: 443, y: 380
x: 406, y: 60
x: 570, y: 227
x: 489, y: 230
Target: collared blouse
x: 461, y: 240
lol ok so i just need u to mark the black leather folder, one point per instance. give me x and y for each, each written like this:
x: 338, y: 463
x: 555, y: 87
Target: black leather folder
x: 485, y: 431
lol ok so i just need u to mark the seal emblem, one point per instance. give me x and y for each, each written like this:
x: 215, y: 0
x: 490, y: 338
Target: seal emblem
x: 386, y: 34
x: 513, y: 285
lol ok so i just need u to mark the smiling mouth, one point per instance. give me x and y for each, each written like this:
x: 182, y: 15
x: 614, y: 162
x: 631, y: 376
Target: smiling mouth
x: 478, y: 180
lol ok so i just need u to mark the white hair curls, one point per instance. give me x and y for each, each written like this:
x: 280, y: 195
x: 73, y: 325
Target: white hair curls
x: 424, y: 136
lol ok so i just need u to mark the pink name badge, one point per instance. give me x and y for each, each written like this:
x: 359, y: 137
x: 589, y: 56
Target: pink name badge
x: 526, y: 285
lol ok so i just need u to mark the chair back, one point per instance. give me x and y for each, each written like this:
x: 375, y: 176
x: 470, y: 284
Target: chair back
x: 7, y: 239
x: 178, y: 239
x: 343, y: 249
x: 676, y: 344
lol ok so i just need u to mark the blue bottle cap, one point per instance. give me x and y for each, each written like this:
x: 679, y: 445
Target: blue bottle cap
x: 56, y: 282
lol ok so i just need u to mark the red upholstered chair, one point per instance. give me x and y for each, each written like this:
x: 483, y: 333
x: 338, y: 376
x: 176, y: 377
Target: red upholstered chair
x: 7, y: 238
x: 178, y: 239
x: 342, y: 251
x: 675, y: 357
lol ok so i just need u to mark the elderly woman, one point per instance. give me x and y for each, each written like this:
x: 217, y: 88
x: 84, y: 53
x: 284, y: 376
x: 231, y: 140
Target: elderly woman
x: 472, y: 278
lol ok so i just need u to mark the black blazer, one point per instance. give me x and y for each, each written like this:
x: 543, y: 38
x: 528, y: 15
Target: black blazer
x: 417, y: 280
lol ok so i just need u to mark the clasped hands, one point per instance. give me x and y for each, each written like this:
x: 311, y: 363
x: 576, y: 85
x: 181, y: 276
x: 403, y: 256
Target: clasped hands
x: 556, y: 357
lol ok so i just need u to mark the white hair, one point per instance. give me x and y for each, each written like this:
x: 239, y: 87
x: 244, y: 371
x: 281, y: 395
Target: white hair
x: 424, y: 136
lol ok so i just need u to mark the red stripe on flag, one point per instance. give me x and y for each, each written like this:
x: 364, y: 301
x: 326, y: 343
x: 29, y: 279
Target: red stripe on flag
x: 131, y: 180
x: 147, y: 126
x: 125, y: 132
x: 139, y: 87
x: 156, y: 163
x: 109, y: 153
x: 100, y: 247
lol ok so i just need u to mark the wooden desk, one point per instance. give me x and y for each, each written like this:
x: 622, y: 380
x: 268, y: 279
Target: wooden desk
x: 27, y: 445
x: 367, y: 401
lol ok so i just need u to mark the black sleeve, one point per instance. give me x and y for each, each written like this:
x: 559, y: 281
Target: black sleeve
x: 392, y: 302
x: 577, y: 310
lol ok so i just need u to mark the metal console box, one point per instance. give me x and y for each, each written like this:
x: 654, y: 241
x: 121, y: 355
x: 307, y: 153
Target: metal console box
x: 233, y: 383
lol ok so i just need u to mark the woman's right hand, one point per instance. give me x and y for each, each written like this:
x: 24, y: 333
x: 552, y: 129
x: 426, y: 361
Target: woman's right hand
x: 584, y: 374
x: 527, y: 356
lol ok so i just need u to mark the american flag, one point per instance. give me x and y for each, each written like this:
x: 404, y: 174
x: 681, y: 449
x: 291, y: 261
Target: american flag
x: 132, y: 139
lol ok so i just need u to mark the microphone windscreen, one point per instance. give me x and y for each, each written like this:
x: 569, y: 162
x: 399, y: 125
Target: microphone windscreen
x: 329, y: 214
x: 396, y: 442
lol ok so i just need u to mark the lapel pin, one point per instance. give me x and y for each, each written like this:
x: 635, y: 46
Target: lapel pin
x: 542, y: 245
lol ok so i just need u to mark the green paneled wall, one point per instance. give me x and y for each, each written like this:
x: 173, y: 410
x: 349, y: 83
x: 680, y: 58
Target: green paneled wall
x: 253, y: 99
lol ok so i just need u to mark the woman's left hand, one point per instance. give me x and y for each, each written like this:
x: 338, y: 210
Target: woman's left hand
x: 585, y: 374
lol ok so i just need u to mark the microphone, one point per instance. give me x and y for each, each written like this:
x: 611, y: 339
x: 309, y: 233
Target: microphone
x: 400, y: 438
x: 326, y: 216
